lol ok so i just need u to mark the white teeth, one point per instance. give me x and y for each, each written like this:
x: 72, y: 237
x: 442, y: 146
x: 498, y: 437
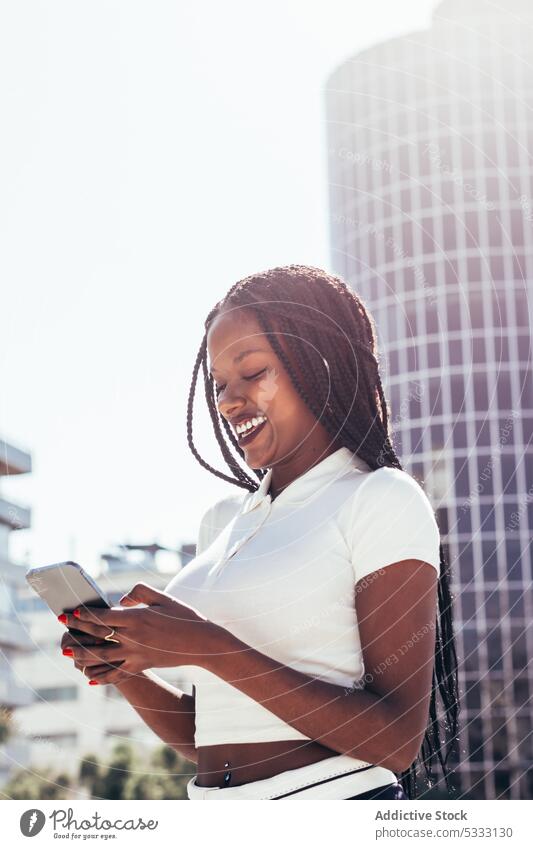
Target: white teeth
x: 244, y: 427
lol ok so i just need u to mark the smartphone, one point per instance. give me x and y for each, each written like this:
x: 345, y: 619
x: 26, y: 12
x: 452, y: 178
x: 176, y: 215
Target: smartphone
x: 64, y: 586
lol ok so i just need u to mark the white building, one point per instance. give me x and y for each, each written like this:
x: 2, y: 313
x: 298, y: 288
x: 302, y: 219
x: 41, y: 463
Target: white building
x: 14, y: 641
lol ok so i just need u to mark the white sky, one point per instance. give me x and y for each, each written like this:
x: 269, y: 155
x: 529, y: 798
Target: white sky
x: 151, y: 154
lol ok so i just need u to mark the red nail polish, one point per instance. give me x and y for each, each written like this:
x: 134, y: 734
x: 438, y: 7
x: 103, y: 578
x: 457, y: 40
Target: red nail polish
x: 68, y: 652
x: 62, y: 617
x: 76, y: 612
x: 93, y: 682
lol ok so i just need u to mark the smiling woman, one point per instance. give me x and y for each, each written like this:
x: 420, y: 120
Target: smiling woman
x: 296, y: 345
x: 315, y: 621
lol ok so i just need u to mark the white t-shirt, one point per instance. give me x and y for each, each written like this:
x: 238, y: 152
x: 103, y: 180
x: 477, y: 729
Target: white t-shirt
x: 280, y: 575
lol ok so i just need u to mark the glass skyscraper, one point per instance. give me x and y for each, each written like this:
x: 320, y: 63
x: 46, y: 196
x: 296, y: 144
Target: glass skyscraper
x: 430, y: 154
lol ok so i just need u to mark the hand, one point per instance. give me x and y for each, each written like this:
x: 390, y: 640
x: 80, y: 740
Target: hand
x: 165, y: 633
x: 69, y: 641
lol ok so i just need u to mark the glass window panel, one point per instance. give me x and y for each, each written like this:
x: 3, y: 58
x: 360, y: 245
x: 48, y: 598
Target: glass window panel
x: 435, y: 396
x: 503, y: 390
x: 524, y: 346
x: 476, y: 755
x: 464, y: 521
x: 488, y: 517
x: 453, y: 312
x: 479, y: 354
x: 516, y: 604
x: 481, y: 396
x: 457, y: 392
x: 513, y: 566
x: 462, y: 481
x: 494, y: 649
x: 470, y: 648
x: 490, y: 559
x: 508, y: 470
x: 526, y: 389
x: 483, y: 436
x: 449, y: 233
x: 492, y: 604
x: 497, y: 271
x: 459, y: 435
x: 433, y: 354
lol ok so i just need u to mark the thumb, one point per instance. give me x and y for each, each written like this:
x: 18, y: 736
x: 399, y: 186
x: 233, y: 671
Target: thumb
x: 141, y: 594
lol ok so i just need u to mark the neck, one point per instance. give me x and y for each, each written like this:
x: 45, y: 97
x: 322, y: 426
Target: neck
x: 285, y: 475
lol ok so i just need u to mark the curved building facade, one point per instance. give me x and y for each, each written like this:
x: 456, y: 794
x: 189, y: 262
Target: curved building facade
x: 430, y: 156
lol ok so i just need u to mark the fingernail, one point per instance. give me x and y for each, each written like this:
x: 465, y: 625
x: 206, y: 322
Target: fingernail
x: 68, y: 652
x: 62, y: 617
x: 93, y: 682
x: 76, y: 612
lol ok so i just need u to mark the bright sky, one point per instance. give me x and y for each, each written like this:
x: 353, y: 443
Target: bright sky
x: 151, y: 155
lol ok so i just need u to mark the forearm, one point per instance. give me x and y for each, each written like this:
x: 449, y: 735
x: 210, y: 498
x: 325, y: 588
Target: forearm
x: 168, y: 711
x: 358, y: 723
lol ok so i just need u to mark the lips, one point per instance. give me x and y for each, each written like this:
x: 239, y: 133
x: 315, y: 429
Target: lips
x: 244, y: 440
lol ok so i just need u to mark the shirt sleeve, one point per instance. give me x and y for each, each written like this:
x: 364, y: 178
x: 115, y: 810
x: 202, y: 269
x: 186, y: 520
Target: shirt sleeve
x: 215, y: 520
x: 390, y: 519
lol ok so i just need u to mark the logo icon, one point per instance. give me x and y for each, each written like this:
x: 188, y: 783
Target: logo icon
x: 32, y: 822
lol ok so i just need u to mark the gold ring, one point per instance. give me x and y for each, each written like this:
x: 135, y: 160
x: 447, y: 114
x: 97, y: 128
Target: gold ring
x: 109, y: 637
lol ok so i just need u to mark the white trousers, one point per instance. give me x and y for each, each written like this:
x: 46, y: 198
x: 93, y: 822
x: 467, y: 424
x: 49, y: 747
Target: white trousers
x: 331, y: 778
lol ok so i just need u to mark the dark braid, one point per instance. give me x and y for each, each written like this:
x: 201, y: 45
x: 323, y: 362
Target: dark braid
x: 330, y: 355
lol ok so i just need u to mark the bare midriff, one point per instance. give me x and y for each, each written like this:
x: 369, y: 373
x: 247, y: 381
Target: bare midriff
x: 254, y: 761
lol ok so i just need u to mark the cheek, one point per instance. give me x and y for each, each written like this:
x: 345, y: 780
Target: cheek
x: 286, y: 407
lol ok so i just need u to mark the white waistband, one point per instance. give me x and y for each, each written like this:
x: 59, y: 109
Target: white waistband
x: 314, y: 781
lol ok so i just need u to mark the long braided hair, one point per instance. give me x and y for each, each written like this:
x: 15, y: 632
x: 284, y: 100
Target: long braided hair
x: 331, y: 338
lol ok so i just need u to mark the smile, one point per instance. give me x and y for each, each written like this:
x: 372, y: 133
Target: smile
x: 249, y: 430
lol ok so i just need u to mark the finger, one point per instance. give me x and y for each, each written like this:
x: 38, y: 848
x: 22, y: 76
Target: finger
x: 142, y: 593
x: 90, y: 618
x: 68, y: 640
x: 87, y: 668
x: 112, y: 676
x: 104, y: 653
x: 91, y: 671
x: 86, y: 626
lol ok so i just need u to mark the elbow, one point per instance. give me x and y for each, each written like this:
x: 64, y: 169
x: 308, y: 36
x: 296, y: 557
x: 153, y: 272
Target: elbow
x: 406, y: 752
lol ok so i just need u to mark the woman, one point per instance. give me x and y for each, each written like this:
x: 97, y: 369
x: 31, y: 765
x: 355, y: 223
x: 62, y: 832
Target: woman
x: 316, y: 619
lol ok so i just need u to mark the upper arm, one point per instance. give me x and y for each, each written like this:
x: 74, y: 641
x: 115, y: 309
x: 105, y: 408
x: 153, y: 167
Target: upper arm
x: 396, y: 614
x: 394, y: 546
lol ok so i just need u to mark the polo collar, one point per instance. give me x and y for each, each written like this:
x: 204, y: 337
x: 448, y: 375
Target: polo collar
x: 331, y: 467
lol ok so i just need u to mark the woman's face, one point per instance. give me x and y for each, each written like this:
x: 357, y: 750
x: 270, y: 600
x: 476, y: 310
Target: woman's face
x: 252, y: 381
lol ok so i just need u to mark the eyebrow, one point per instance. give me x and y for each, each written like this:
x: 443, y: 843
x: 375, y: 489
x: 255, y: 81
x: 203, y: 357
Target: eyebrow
x: 241, y: 356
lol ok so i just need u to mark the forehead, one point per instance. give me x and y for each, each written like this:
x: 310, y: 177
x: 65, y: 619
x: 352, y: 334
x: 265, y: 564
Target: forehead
x: 234, y: 331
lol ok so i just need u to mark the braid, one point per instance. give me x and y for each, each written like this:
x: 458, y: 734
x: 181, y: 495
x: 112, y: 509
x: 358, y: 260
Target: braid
x: 334, y: 367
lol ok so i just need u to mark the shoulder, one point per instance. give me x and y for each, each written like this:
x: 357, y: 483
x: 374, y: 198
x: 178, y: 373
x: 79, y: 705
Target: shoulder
x: 216, y: 517
x: 394, y: 485
x: 387, y: 518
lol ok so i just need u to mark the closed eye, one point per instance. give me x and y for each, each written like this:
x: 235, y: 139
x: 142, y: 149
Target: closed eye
x: 250, y: 377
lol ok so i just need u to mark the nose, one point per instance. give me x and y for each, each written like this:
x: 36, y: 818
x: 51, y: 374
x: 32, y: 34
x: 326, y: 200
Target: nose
x: 230, y: 401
